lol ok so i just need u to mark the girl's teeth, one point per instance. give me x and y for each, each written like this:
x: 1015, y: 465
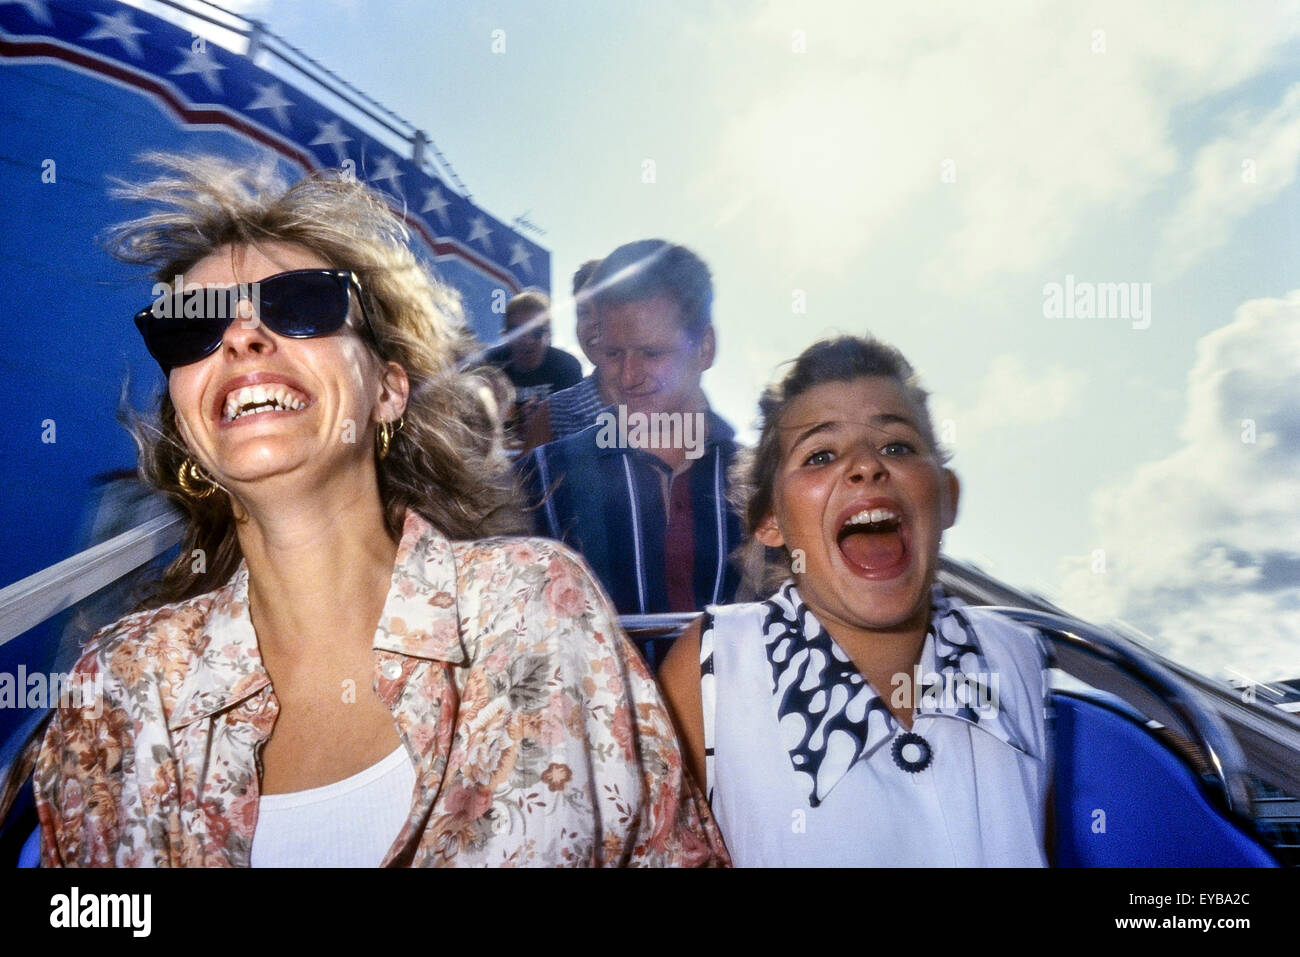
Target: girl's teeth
x: 872, y: 516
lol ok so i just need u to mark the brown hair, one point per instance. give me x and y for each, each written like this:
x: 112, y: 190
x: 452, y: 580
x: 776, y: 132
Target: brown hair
x: 439, y: 463
x: 753, y: 473
x: 655, y: 267
x: 582, y: 275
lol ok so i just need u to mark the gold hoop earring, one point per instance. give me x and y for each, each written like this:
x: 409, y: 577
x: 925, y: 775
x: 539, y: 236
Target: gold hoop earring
x: 190, y: 472
x: 384, y: 437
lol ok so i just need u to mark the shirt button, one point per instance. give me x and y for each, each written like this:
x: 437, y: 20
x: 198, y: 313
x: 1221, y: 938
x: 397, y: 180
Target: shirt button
x: 392, y: 670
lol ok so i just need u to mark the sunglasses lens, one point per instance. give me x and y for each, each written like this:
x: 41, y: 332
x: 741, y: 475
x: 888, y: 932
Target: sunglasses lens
x: 178, y: 342
x: 189, y: 326
x: 186, y: 326
x: 306, y: 304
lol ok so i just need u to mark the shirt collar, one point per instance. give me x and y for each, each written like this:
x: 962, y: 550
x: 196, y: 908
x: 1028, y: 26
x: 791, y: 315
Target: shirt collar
x: 420, y: 619
x: 830, y: 717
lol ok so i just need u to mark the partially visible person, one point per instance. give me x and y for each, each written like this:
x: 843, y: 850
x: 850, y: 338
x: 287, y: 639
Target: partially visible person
x: 496, y: 396
x: 900, y: 726
x: 585, y: 317
x: 642, y: 492
x: 575, y: 408
x: 535, y: 367
x: 346, y: 665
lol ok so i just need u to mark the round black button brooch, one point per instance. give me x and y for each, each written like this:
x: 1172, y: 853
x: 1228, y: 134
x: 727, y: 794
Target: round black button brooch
x: 912, y: 752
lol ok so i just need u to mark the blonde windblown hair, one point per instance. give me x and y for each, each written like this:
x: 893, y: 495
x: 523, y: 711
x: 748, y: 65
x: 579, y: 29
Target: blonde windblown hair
x: 442, y: 463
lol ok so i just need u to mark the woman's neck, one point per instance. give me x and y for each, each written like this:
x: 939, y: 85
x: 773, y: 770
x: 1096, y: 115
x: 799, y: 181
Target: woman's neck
x: 319, y: 568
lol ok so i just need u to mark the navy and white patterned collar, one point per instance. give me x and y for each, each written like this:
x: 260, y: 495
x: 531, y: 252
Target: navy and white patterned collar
x: 830, y: 716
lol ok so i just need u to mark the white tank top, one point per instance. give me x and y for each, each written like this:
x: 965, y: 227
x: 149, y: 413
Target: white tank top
x: 350, y: 823
x: 979, y: 802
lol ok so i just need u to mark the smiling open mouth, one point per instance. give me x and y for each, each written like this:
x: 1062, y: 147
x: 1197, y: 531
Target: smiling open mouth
x: 252, y: 400
x: 873, y: 540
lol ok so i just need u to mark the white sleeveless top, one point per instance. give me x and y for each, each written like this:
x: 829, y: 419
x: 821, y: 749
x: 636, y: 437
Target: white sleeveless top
x: 977, y: 799
x: 350, y: 823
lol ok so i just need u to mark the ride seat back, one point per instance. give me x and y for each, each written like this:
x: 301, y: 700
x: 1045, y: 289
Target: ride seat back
x: 1124, y: 799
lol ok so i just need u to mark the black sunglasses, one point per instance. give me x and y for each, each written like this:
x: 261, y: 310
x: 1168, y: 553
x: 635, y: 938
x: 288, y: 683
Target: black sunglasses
x: 184, y: 327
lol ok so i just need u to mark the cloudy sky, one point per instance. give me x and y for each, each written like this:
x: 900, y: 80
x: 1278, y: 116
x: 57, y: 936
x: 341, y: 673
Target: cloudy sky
x: 929, y: 173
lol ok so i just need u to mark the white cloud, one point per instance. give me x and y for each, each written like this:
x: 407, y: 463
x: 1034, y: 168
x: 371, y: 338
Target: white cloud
x: 1011, y: 394
x: 1232, y: 176
x: 1202, y: 547
x: 842, y: 146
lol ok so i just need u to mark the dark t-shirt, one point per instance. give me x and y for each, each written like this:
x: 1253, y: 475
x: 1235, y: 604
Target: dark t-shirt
x: 558, y: 370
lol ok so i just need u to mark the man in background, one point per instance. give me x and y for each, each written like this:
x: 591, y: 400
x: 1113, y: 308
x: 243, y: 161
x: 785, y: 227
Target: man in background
x: 535, y: 367
x: 574, y: 409
x: 641, y: 493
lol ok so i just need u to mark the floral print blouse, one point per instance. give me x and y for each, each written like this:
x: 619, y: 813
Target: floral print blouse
x: 537, y: 733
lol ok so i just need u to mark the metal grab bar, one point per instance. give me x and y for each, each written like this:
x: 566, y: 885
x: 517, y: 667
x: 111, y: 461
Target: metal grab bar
x: 1207, y: 730
x: 1269, y: 736
x: 30, y: 601
x: 657, y: 626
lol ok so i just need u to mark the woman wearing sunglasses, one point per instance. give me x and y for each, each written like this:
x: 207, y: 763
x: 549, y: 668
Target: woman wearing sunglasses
x: 334, y: 671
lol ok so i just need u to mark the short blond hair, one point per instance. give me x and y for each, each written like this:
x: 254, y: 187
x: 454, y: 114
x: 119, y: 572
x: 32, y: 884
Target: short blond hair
x: 527, y: 303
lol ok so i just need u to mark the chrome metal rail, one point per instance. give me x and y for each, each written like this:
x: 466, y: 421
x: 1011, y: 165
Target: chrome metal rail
x: 1204, y: 727
x: 1269, y: 736
x: 36, y: 598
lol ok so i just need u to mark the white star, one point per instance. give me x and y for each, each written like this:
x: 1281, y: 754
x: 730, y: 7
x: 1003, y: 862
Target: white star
x: 478, y: 231
x: 200, y: 61
x: 38, y: 10
x: 385, y: 169
x: 520, y: 254
x: 437, y: 203
x: 331, y: 134
x: 120, y: 28
x: 271, y: 97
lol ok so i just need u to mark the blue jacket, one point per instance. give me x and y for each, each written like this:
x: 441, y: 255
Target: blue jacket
x: 607, y: 503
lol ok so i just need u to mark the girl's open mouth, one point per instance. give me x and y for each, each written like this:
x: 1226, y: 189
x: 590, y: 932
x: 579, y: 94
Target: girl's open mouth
x: 873, y: 544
